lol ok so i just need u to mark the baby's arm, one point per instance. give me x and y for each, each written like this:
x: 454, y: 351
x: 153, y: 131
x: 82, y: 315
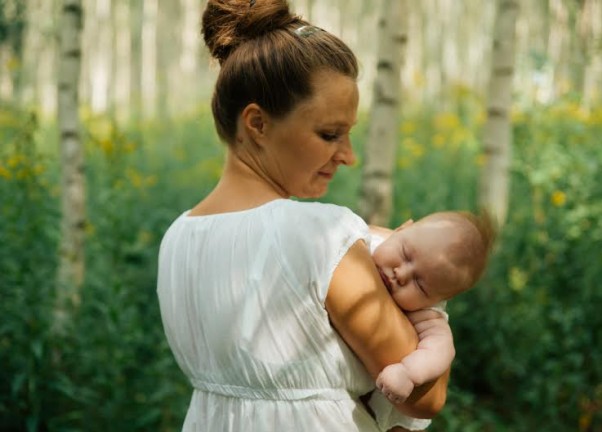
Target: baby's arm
x: 430, y: 360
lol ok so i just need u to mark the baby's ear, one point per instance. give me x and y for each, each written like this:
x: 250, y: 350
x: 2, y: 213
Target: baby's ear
x: 404, y: 225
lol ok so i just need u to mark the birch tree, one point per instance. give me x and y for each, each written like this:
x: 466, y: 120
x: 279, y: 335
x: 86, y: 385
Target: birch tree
x: 497, y: 138
x: 376, y: 195
x: 71, y: 249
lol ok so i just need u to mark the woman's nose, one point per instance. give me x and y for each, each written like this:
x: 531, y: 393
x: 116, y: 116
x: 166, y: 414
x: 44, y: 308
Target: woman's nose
x: 345, y: 154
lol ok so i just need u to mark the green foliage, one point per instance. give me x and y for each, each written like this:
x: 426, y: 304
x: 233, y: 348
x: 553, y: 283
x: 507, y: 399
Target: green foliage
x: 529, y: 351
x: 528, y: 339
x: 27, y: 235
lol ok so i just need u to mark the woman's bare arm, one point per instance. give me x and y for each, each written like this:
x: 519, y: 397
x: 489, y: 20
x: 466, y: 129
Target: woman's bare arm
x: 367, y: 318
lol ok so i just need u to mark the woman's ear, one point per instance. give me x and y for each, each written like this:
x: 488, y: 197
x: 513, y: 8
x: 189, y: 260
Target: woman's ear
x: 254, y: 121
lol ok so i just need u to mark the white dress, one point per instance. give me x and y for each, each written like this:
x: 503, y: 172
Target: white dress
x: 242, y: 303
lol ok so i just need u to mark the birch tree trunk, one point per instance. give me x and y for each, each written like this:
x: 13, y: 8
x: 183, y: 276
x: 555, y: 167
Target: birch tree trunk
x: 136, y: 20
x: 71, y: 252
x: 148, y: 77
x: 497, y: 139
x: 376, y: 195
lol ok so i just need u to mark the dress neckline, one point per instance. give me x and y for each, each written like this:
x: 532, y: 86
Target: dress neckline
x: 187, y: 216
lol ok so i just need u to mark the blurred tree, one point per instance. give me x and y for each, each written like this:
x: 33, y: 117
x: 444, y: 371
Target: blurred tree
x: 591, y: 32
x: 73, y: 223
x: 376, y: 194
x: 136, y: 17
x: 13, y: 25
x: 150, y: 42
x: 497, y: 139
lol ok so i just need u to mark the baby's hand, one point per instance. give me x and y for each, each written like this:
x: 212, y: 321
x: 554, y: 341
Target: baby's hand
x: 395, y: 383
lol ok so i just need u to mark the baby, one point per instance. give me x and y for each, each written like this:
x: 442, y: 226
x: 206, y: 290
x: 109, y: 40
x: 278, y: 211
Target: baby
x: 423, y: 264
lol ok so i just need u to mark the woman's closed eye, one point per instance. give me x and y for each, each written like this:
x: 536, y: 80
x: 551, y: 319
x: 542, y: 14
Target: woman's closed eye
x: 329, y: 136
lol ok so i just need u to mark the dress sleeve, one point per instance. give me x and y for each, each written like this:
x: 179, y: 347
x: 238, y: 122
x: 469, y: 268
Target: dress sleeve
x: 388, y: 417
x: 316, y: 236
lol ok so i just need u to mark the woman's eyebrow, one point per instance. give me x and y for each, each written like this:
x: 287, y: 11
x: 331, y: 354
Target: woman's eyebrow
x: 339, y: 123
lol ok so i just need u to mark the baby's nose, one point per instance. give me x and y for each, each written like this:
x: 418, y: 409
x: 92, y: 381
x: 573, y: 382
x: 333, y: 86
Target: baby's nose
x: 402, y: 274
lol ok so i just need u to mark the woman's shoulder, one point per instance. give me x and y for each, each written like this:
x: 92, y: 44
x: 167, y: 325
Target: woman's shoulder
x: 318, y: 211
x: 328, y: 226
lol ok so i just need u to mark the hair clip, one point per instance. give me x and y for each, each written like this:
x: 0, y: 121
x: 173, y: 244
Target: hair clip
x: 307, y: 30
x: 251, y: 3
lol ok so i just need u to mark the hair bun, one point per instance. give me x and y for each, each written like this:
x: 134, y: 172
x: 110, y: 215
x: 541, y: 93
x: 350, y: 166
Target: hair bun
x: 228, y: 23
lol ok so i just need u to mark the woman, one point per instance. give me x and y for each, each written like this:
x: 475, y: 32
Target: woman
x: 273, y: 308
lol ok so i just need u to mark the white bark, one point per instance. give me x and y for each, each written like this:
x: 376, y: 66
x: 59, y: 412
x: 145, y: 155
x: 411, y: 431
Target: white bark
x: 497, y: 139
x: 149, y: 58
x: 122, y: 63
x: 71, y: 250
x: 376, y: 197
x: 136, y: 20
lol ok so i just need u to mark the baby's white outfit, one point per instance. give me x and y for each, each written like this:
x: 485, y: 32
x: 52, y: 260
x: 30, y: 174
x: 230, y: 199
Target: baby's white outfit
x: 242, y: 303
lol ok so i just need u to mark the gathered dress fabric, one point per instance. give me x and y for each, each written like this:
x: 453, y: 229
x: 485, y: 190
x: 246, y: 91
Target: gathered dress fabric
x: 242, y: 303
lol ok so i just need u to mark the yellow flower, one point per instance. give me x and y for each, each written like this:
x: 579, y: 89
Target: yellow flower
x: 414, y: 148
x: 517, y: 116
x: 565, y: 86
x: 480, y: 118
x: 145, y: 237
x: 558, y: 198
x: 101, y: 128
x: 150, y: 180
x: 446, y: 121
x: 576, y: 112
x: 438, y: 140
x: 480, y: 160
x: 15, y: 160
x: 408, y: 127
x: 22, y: 174
x: 135, y: 178
x: 460, y: 135
x: 4, y: 173
x: 595, y: 116
x: 89, y: 228
x: 418, y: 79
x: 211, y: 167
x: 129, y: 147
x: 38, y: 169
x: 107, y: 146
x: 7, y: 118
x: 404, y: 162
x: 13, y: 63
x: 518, y: 279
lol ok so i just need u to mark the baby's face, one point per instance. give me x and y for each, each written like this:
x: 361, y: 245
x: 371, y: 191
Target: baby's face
x: 416, y: 267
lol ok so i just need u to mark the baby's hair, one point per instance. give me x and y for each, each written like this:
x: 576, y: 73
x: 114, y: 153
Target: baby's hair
x: 484, y: 224
x: 268, y: 56
x: 478, y: 232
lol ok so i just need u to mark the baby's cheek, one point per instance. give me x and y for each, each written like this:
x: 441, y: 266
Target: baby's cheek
x: 386, y: 253
x: 398, y: 296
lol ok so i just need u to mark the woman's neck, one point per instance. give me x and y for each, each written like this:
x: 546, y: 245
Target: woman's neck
x: 242, y: 186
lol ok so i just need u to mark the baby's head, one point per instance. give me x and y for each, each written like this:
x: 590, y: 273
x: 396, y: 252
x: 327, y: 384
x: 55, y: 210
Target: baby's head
x: 436, y: 258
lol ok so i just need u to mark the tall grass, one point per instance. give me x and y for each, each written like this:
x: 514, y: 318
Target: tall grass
x: 528, y: 337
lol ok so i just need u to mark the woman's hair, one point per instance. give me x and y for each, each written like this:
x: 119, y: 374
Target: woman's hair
x: 267, y: 56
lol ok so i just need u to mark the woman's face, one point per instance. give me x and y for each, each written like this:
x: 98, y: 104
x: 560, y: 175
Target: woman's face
x: 303, y: 150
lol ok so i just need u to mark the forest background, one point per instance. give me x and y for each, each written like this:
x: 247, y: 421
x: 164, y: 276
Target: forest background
x: 529, y: 345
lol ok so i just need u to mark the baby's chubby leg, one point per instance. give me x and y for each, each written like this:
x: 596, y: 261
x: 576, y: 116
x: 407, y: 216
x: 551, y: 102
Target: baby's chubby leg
x: 395, y: 383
